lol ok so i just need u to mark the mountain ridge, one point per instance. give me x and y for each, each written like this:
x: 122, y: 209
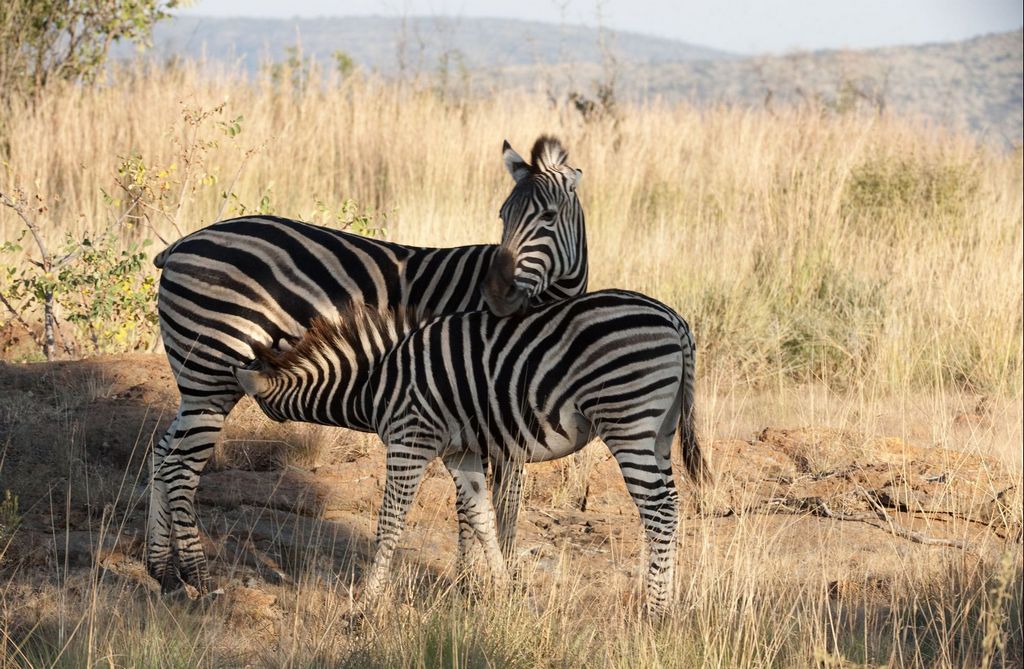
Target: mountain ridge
x: 374, y: 41
x: 975, y: 84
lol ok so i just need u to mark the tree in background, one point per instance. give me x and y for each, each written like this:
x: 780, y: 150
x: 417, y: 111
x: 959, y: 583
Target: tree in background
x: 47, y: 40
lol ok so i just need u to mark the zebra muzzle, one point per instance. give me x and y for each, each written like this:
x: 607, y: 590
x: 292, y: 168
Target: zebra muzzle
x: 502, y: 295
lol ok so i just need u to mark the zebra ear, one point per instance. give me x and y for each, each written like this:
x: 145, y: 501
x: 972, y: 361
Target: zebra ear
x: 514, y: 163
x: 574, y: 179
x: 253, y: 381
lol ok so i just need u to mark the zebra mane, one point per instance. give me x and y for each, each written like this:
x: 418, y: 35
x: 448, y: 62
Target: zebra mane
x: 352, y: 322
x: 547, y: 154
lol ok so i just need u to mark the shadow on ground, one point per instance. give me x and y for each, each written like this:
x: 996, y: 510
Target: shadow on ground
x: 75, y: 437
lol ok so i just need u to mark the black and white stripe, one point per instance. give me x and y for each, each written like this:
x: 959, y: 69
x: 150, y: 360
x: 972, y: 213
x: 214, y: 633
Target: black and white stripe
x: 261, y: 280
x: 526, y: 388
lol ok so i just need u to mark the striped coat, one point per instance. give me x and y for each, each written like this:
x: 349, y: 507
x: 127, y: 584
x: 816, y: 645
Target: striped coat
x: 468, y: 387
x: 259, y: 281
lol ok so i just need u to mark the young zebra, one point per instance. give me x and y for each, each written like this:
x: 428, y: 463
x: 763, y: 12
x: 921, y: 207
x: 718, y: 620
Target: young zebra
x: 260, y: 281
x: 526, y: 388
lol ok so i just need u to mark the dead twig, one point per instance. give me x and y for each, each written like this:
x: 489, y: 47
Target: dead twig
x: 818, y: 507
x: 903, y: 532
x: 18, y: 206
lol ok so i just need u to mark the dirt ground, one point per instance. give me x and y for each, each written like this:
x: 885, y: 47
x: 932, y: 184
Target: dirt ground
x: 74, y: 438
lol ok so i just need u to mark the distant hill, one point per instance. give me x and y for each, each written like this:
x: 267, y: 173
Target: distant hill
x: 976, y: 84
x: 386, y: 44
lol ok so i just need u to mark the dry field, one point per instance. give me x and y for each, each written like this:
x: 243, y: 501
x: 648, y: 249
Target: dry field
x: 855, y: 285
x: 826, y: 545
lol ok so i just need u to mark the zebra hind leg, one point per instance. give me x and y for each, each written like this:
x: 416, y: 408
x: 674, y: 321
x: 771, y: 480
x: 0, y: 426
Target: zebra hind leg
x: 475, y: 509
x: 181, y: 457
x: 160, y: 536
x: 470, y: 552
x: 648, y: 475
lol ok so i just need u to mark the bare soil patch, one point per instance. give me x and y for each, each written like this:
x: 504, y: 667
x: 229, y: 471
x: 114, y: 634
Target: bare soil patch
x: 852, y: 511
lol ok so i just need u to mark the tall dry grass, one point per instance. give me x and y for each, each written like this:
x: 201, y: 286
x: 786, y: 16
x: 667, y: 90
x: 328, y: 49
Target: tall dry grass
x: 867, y: 255
x: 963, y: 616
x: 801, y: 245
x: 744, y: 603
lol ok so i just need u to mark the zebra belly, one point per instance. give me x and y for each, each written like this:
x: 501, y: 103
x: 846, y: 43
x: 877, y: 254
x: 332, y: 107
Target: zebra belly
x: 569, y: 435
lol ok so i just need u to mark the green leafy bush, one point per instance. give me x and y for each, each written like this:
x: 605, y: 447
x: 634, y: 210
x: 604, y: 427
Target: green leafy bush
x: 99, y: 286
x: 45, y: 40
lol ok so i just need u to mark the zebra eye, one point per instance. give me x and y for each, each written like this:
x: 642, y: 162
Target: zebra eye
x: 547, y: 216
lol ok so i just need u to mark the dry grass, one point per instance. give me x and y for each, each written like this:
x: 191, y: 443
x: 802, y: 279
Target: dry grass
x: 800, y: 244
x: 848, y: 271
x: 754, y: 591
x: 743, y: 605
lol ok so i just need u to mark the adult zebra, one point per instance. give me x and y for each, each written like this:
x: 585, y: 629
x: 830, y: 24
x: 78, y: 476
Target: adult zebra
x: 536, y: 387
x: 261, y: 280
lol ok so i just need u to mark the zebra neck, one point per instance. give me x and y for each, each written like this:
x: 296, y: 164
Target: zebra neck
x: 332, y: 381
x: 447, y: 280
x: 361, y: 356
x: 581, y: 269
x: 574, y: 281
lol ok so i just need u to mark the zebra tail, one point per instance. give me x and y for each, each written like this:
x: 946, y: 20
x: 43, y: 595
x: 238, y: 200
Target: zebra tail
x: 161, y: 258
x: 693, y: 459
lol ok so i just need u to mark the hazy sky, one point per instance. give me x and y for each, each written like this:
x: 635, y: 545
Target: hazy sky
x: 742, y: 26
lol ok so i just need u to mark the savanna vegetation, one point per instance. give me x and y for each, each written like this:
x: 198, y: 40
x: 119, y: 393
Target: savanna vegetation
x: 849, y: 270
x: 802, y: 245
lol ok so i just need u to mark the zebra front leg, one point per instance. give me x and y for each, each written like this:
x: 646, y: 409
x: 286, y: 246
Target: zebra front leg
x: 650, y: 484
x: 194, y: 438
x: 405, y: 468
x: 507, y: 494
x: 469, y: 549
x: 471, y: 499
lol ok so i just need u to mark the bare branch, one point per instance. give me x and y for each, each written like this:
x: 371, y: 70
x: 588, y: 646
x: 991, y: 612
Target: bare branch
x: 818, y: 507
x: 110, y: 227
x: 47, y: 263
x: 238, y: 173
x: 31, y: 225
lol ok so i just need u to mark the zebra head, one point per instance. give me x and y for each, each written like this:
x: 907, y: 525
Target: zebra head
x: 543, y: 244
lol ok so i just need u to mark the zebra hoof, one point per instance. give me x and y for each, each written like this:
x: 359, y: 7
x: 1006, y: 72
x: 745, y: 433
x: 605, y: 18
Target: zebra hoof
x: 207, y: 600
x: 193, y: 599
x: 656, y: 614
x: 206, y: 592
x: 168, y: 581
